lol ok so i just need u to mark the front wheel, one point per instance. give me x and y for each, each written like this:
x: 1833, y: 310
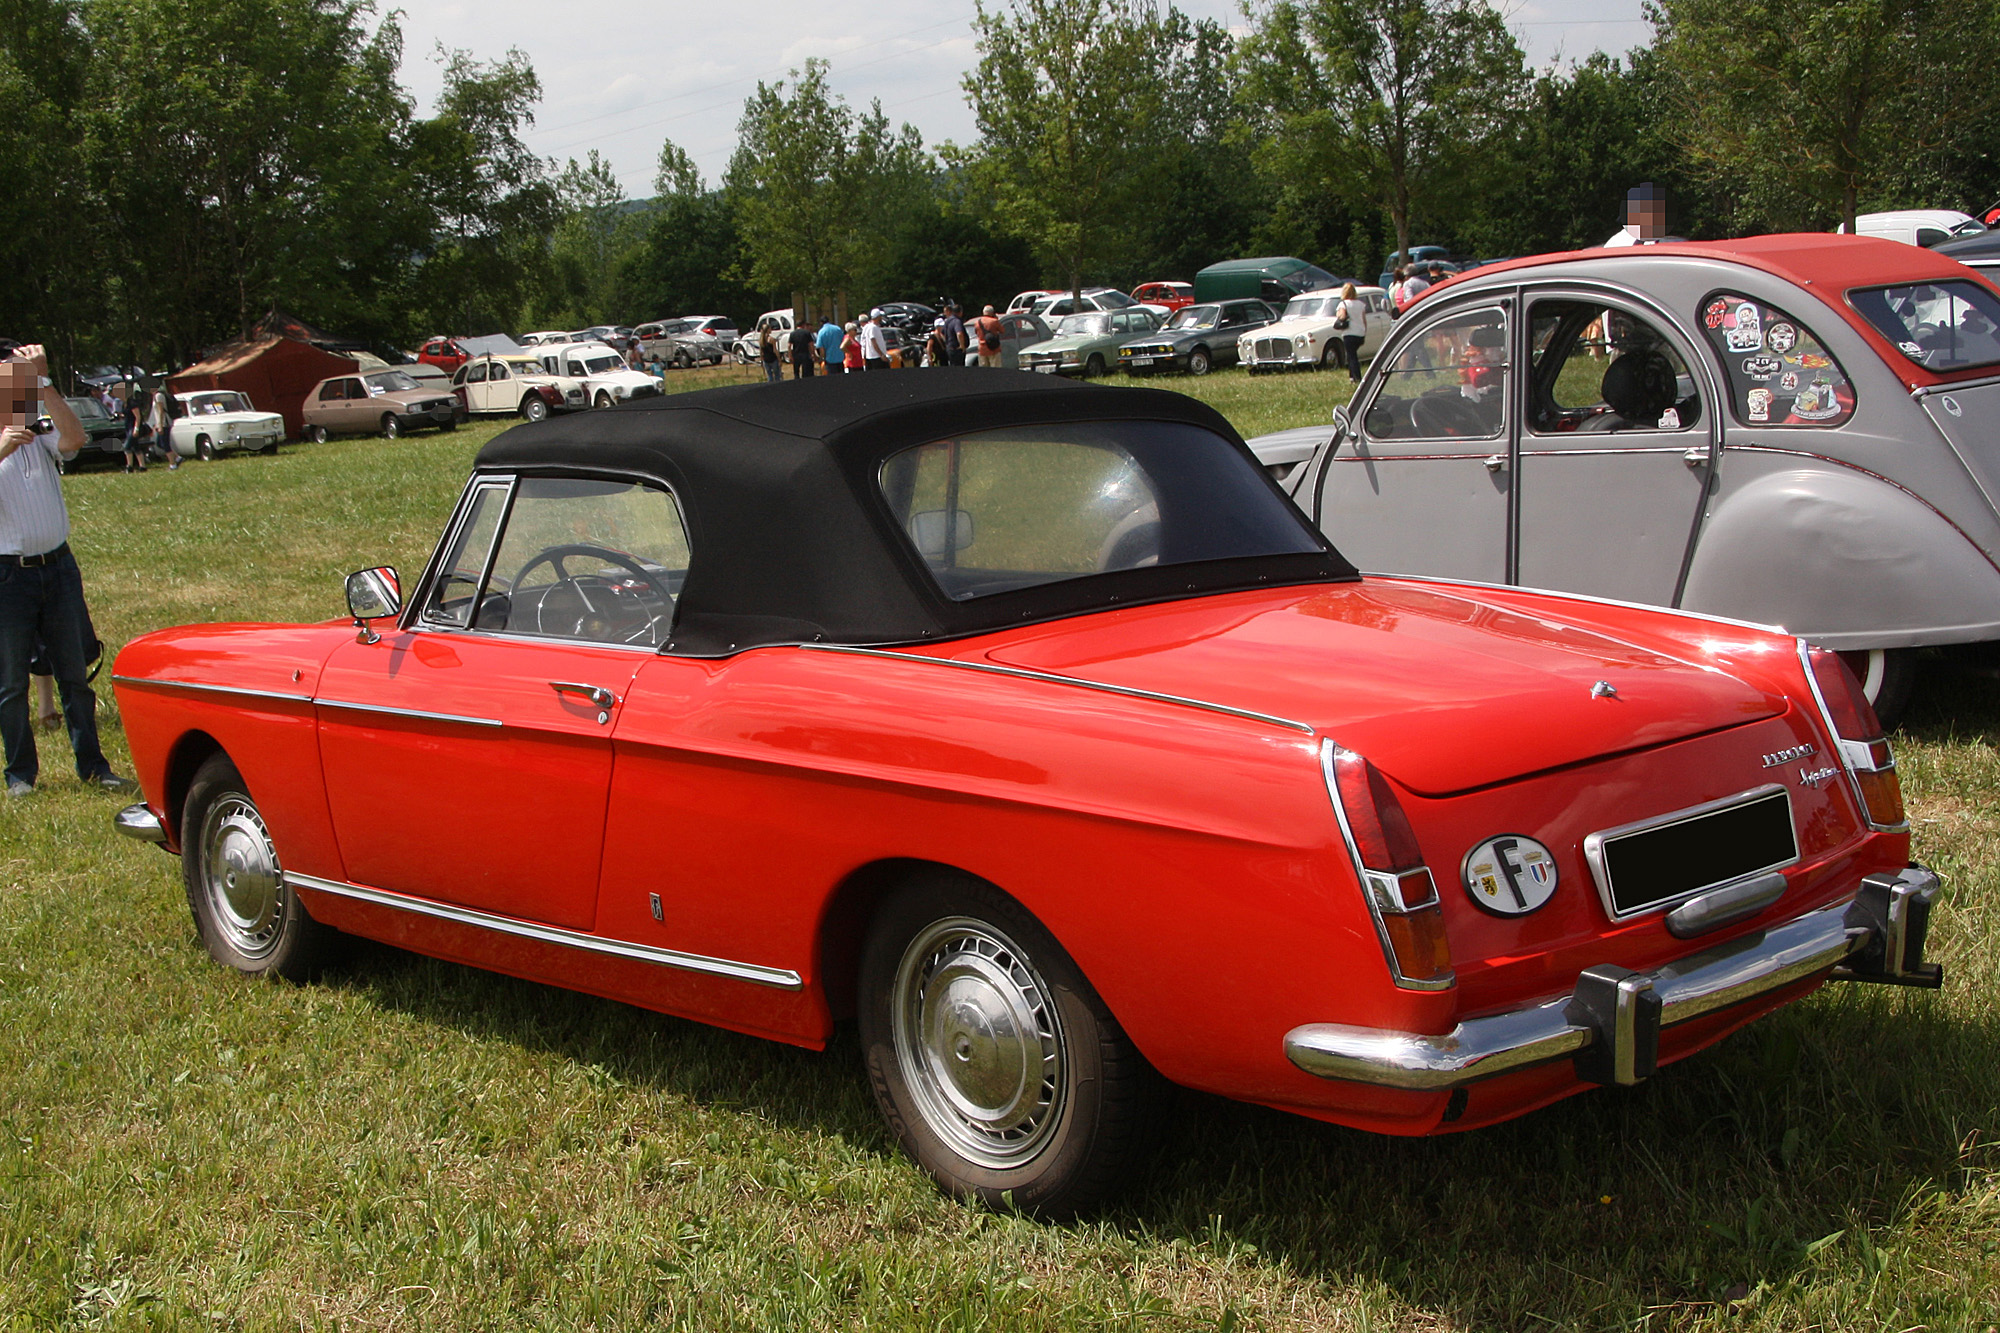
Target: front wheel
x: 1888, y: 676
x: 390, y: 430
x: 1199, y: 362
x: 249, y: 917
x: 993, y: 1060
x: 1093, y: 368
x: 1333, y: 356
x: 603, y: 399
x: 204, y: 448
x: 533, y: 408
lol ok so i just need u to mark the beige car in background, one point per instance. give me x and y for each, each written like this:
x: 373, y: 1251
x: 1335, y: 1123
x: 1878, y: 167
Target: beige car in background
x: 384, y: 402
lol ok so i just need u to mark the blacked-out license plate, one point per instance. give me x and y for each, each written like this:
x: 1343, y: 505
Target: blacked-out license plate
x: 1658, y: 862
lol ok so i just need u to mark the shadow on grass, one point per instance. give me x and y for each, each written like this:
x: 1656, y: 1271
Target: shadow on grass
x: 1731, y: 1169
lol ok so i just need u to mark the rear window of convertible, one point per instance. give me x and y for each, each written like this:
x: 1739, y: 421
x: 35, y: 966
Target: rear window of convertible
x: 1938, y: 325
x: 999, y: 510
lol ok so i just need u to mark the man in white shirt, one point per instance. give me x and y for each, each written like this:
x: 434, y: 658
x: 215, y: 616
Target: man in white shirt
x: 1645, y: 218
x: 41, y: 590
x: 874, y: 345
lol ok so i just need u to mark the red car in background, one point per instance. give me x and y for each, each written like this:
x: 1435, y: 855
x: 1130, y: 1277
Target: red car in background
x: 1172, y: 295
x: 1031, y: 725
x: 443, y: 353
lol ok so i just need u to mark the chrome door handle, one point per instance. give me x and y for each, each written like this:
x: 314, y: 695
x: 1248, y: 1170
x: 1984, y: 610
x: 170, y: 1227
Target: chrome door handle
x: 597, y: 694
x: 1695, y: 457
x: 1494, y: 462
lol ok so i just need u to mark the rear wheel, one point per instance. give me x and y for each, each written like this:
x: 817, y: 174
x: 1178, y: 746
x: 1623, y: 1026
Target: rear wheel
x: 390, y: 430
x: 249, y: 917
x: 1887, y: 676
x: 318, y: 434
x: 993, y: 1060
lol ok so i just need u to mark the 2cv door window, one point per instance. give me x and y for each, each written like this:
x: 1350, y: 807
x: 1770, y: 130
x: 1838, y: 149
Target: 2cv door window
x: 1422, y: 485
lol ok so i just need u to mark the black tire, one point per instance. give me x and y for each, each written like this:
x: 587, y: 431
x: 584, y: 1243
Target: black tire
x: 1199, y: 362
x: 603, y: 400
x: 450, y: 425
x: 1334, y: 355
x: 318, y: 434
x: 204, y: 448
x: 684, y: 359
x: 1049, y: 1141
x: 390, y: 428
x: 534, y: 408
x: 270, y: 448
x: 1093, y: 368
x: 249, y: 918
x: 1888, y: 677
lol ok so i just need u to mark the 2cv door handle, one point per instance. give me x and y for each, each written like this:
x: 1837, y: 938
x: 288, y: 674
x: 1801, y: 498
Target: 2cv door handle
x: 1695, y: 457
x: 597, y: 694
x: 1494, y: 462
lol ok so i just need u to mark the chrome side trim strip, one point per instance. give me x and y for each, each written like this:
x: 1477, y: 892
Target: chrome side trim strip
x: 1054, y: 679
x: 1478, y: 1048
x: 418, y: 713
x: 213, y: 689
x: 779, y: 977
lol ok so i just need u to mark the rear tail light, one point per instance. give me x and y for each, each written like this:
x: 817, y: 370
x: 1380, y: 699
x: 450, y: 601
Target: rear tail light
x: 1863, y: 750
x: 1402, y: 896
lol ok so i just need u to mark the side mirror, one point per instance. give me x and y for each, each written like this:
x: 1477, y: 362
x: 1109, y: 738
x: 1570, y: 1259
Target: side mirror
x: 371, y: 594
x: 932, y: 529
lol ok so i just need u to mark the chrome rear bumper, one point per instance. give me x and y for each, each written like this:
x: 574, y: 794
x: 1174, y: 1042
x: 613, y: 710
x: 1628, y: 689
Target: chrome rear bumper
x: 1610, y: 1024
x: 136, y: 821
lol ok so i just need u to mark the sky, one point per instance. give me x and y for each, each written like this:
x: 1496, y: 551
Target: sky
x: 621, y: 81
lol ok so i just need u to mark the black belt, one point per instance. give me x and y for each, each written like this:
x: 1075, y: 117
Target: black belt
x: 32, y: 561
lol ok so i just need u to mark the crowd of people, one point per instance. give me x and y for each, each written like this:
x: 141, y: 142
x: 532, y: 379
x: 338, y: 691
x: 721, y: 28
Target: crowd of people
x: 865, y: 344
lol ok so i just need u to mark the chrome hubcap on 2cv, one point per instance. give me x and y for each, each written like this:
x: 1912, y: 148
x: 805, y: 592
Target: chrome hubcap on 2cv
x: 241, y: 877
x: 978, y: 1042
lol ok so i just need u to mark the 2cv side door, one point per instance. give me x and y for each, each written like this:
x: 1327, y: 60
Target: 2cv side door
x: 468, y: 752
x: 1421, y: 481
x: 1617, y: 447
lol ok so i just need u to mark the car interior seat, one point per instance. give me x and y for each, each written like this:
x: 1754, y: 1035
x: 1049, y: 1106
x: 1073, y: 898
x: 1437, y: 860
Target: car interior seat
x: 1638, y: 387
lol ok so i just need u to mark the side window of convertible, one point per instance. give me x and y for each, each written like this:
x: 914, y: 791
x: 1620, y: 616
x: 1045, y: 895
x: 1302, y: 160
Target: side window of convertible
x: 1449, y: 382
x: 451, y: 596
x: 587, y: 559
x: 1779, y: 373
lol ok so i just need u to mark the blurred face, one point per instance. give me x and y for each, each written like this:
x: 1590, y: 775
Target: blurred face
x: 20, y: 393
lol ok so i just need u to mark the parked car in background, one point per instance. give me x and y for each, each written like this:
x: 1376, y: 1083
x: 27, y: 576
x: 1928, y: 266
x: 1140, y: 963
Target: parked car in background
x: 1086, y: 344
x: 910, y: 316
x: 110, y: 377
x: 1792, y: 430
x: 384, y: 402
x: 1093, y: 766
x: 1979, y: 252
x: 1019, y: 329
x: 906, y: 350
x: 487, y: 385
x: 779, y: 322
x: 1170, y: 296
x: 213, y: 420
x: 1055, y: 306
x: 598, y: 371
x: 104, y: 434
x: 1195, y: 338
x: 444, y: 353
x: 1026, y: 300
x: 1924, y: 227
x: 1306, y: 335
x: 1274, y: 280
x: 677, y: 342
x: 546, y: 338
x: 719, y: 327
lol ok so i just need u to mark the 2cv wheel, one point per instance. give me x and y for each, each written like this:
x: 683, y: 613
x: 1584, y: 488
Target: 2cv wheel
x: 1888, y: 677
x: 533, y: 408
x: 997, y: 1066
x: 248, y: 916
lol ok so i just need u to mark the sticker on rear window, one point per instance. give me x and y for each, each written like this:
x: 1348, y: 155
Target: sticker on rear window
x: 1788, y: 378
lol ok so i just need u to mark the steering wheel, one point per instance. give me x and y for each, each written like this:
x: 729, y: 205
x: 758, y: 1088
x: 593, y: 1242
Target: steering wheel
x: 584, y: 619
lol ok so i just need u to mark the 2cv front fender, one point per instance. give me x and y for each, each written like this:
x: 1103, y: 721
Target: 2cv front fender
x: 1844, y: 558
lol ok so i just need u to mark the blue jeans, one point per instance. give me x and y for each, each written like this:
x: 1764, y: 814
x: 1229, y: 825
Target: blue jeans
x: 773, y: 371
x: 44, y: 604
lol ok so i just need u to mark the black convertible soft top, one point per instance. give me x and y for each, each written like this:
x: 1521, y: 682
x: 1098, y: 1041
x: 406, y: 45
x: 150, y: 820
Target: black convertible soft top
x: 791, y: 539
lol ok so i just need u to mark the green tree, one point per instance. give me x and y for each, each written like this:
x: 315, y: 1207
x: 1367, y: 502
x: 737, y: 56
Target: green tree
x: 1073, y: 103
x: 1399, y: 102
x: 1804, y: 109
x: 51, y: 248
x: 816, y: 187
x: 688, y: 249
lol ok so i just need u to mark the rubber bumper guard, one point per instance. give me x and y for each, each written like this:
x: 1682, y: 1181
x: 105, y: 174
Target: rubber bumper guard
x: 1610, y: 1024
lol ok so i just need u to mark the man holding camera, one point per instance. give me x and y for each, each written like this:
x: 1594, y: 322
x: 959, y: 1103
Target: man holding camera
x: 41, y: 590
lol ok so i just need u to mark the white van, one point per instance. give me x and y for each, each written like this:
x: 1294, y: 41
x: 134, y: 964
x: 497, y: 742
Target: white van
x: 1917, y: 226
x: 779, y: 322
x: 598, y: 371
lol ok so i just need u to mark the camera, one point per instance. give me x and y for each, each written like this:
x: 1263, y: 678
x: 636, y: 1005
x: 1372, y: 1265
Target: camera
x: 42, y: 425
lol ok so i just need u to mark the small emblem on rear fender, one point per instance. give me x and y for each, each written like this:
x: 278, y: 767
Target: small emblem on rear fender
x: 1510, y: 875
x: 1604, y: 689
x: 1950, y: 404
x: 1817, y: 777
x: 1789, y: 753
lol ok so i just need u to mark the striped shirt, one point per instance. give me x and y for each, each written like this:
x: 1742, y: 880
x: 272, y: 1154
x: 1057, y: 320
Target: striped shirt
x: 33, y: 519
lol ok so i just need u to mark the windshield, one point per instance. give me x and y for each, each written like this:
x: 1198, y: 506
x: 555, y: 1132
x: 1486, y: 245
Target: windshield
x: 601, y: 365
x: 1086, y: 325
x: 213, y: 404
x: 1000, y: 510
x: 1939, y: 325
x: 86, y: 407
x: 390, y: 381
x: 1311, y: 307
x: 1196, y: 317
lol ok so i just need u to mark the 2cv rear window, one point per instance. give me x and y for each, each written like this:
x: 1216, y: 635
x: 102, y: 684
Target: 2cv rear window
x: 1779, y: 373
x: 1938, y: 325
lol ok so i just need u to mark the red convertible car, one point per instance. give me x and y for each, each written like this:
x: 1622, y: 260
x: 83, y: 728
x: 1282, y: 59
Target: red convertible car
x: 1030, y: 725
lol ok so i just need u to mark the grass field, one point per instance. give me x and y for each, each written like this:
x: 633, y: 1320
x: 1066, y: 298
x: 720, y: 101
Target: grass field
x: 415, y: 1145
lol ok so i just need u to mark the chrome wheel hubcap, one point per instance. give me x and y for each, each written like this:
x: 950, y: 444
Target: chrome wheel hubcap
x: 978, y: 1042
x: 241, y: 876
